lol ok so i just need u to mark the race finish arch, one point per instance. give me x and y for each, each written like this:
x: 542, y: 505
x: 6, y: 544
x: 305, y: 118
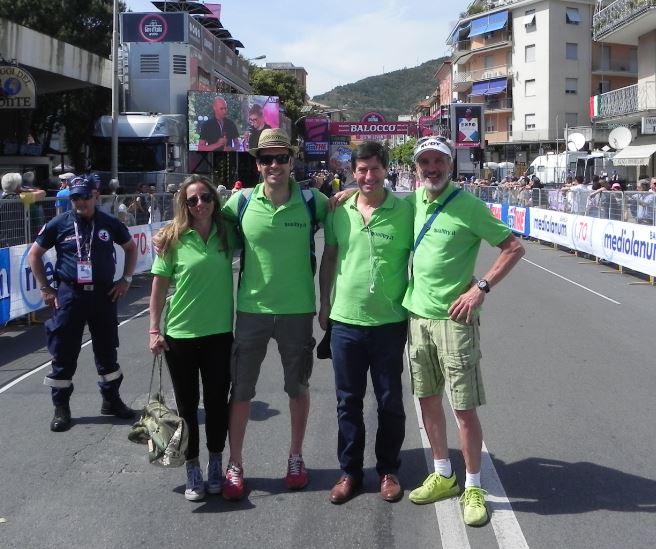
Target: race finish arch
x: 373, y: 126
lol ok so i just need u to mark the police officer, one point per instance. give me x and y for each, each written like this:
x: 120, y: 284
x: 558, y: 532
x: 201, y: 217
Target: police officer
x: 84, y: 240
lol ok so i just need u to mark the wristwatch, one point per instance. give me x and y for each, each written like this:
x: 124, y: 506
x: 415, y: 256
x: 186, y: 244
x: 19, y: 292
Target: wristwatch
x: 128, y: 279
x: 483, y: 285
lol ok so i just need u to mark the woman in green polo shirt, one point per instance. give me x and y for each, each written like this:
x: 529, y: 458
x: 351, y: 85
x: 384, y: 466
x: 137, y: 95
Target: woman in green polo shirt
x: 195, y: 252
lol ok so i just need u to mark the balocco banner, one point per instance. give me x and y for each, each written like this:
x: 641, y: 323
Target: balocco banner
x: 359, y: 128
x: 17, y: 88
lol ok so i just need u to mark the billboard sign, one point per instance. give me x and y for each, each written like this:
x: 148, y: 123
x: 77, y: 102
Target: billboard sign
x: 17, y: 88
x: 372, y: 124
x: 467, y: 122
x: 229, y: 121
x: 153, y: 27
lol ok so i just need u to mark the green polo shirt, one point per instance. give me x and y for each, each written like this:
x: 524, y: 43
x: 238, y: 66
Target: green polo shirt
x: 202, y: 303
x: 277, y: 277
x: 371, y: 274
x: 444, y: 262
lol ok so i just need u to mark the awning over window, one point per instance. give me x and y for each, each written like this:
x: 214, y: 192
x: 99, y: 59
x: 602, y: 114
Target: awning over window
x: 572, y: 15
x: 489, y: 23
x: 480, y: 88
x: 497, y: 86
x: 636, y: 155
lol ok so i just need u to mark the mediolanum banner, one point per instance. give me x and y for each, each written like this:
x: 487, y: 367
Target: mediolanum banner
x: 17, y: 88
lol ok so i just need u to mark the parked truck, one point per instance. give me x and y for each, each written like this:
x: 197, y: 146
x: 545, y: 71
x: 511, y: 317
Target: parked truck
x: 152, y: 149
x: 552, y: 169
x: 601, y: 163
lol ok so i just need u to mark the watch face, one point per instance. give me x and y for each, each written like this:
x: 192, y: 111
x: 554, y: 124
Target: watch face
x: 483, y: 285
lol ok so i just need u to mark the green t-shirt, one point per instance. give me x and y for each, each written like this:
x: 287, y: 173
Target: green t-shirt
x: 202, y: 303
x: 444, y: 262
x: 371, y: 274
x: 277, y: 277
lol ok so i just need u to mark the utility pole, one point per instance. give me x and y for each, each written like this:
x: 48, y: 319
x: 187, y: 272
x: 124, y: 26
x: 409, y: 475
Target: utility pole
x: 115, y: 91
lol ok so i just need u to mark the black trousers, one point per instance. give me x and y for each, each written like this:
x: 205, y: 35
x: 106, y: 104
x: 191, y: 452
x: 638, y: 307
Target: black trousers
x: 209, y: 356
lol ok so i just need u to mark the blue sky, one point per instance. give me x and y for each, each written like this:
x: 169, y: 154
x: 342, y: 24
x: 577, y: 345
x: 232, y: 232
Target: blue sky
x: 338, y: 41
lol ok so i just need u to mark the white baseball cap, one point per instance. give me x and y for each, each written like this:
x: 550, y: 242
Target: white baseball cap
x: 432, y: 143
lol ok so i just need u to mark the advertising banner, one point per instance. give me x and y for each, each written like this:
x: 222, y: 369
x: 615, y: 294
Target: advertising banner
x: 317, y: 128
x: 316, y: 150
x: 153, y: 27
x: 25, y: 294
x: 17, y: 88
x: 229, y: 121
x: 340, y: 159
x: 373, y: 123
x: 467, y: 123
x: 5, y: 289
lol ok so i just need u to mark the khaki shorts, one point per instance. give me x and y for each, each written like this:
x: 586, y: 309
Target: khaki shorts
x: 444, y: 352
x: 293, y: 333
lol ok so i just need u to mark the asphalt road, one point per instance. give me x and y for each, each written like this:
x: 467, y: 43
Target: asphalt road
x: 569, y: 430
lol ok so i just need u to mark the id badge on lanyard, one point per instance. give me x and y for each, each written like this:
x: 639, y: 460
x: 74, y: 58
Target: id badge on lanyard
x: 84, y: 269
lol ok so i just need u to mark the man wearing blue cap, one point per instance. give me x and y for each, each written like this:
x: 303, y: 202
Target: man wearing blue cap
x: 85, y: 293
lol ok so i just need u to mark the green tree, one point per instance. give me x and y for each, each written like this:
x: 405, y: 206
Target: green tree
x: 86, y: 24
x: 279, y: 83
x: 402, y: 154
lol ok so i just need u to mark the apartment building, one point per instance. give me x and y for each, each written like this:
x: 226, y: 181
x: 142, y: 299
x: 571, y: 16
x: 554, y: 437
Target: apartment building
x: 632, y: 24
x: 532, y: 64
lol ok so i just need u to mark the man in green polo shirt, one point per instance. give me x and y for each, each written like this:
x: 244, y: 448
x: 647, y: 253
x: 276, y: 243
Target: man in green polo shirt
x: 443, y: 333
x: 363, y: 277
x: 276, y: 299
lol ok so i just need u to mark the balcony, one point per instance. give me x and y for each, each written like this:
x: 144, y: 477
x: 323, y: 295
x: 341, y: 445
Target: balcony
x: 623, y: 21
x: 462, y: 81
x: 497, y: 105
x: 625, y: 69
x: 463, y: 50
x: 494, y: 137
x: 631, y: 102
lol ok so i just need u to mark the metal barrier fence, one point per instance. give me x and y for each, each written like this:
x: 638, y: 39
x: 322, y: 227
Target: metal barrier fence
x: 20, y: 223
x: 629, y: 206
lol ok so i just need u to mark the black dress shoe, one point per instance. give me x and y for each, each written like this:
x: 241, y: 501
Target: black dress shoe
x: 116, y: 407
x: 61, y: 421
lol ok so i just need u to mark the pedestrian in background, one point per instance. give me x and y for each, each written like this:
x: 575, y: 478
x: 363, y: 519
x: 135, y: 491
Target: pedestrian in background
x: 443, y: 331
x: 195, y: 254
x: 86, y: 293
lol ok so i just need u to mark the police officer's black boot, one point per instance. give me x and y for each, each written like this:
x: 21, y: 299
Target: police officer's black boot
x: 61, y: 421
x: 116, y: 407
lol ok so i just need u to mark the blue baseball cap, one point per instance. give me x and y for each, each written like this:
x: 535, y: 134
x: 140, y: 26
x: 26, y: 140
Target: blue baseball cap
x: 81, y: 186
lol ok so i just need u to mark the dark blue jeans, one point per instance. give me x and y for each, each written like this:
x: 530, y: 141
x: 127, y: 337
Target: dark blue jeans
x: 356, y: 350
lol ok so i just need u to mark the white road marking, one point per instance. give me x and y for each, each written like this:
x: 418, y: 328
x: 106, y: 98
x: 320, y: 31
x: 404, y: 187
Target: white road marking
x: 572, y: 282
x: 46, y: 364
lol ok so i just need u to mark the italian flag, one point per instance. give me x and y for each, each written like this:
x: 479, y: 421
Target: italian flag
x: 595, y: 106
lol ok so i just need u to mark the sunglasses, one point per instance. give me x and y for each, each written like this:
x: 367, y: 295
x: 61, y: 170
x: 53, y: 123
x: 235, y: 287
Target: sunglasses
x: 205, y: 198
x: 267, y: 159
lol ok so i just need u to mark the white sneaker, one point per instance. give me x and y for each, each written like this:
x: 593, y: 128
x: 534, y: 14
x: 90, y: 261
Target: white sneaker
x: 195, y: 486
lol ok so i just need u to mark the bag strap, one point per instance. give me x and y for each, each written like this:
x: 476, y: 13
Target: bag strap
x: 437, y: 211
x: 157, y: 365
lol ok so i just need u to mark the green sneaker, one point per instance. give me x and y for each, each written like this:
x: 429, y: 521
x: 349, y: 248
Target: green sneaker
x: 435, y: 488
x: 474, y: 510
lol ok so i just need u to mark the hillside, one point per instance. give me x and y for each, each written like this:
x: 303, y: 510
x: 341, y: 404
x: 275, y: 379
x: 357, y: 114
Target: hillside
x: 391, y: 94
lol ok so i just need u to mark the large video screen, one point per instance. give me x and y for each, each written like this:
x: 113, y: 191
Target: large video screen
x: 229, y: 121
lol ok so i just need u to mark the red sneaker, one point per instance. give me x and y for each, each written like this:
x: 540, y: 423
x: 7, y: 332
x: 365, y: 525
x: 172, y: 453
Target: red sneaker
x: 297, y: 476
x: 233, y: 486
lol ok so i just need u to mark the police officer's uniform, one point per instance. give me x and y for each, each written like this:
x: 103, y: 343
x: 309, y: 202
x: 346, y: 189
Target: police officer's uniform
x: 82, y: 300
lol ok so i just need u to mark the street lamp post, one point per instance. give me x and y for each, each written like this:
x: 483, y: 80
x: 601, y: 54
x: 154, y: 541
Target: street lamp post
x: 115, y: 91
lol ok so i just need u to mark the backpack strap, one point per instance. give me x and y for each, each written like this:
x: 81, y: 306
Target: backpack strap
x: 311, y: 205
x: 244, y: 199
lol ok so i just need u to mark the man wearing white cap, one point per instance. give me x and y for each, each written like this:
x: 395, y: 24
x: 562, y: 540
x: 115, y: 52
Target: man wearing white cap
x: 443, y: 336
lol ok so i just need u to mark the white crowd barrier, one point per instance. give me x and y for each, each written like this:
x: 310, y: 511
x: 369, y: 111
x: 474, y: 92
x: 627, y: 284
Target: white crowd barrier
x: 19, y: 293
x: 626, y: 244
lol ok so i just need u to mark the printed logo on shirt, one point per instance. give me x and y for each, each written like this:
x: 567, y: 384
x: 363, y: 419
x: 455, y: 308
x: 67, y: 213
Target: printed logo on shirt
x: 295, y: 224
x: 103, y: 235
x: 444, y: 231
x: 382, y: 235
